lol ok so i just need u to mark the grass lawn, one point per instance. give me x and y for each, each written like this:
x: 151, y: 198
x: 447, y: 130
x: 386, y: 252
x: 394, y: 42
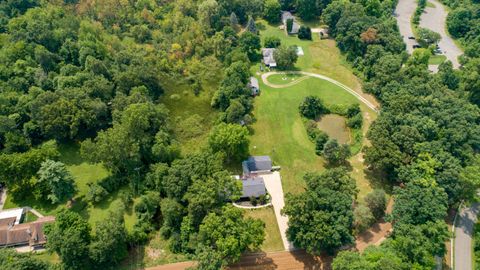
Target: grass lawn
x: 282, y: 79
x: 191, y: 116
x: 156, y: 252
x: 279, y: 131
x: 320, y: 56
x: 83, y: 173
x: 273, y: 241
x: 437, y: 59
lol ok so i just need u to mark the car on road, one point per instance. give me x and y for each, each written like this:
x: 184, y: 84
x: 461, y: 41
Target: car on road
x: 410, y: 37
x: 416, y: 46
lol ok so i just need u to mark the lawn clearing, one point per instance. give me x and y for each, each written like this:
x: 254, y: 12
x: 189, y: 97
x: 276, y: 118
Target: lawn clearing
x: 437, y: 59
x: 82, y: 173
x: 336, y: 127
x: 273, y: 241
x: 156, y: 252
x: 280, y: 132
x: 283, y: 79
x: 191, y: 116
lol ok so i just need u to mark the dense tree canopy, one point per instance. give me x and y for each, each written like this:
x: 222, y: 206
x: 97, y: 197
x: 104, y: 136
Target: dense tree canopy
x: 321, y: 218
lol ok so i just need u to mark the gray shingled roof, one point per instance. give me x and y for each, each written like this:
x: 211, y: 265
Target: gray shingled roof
x: 253, y: 187
x: 257, y: 163
x: 268, y: 57
x: 254, y: 83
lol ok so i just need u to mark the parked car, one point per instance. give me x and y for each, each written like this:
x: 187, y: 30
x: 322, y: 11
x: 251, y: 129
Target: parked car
x: 410, y: 37
x: 416, y: 46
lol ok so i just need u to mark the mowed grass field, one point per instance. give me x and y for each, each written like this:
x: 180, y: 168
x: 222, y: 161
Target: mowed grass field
x: 280, y: 132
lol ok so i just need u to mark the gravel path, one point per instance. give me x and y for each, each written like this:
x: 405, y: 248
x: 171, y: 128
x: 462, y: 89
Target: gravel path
x: 435, y: 20
x: 463, y: 237
x: 366, y: 99
x: 403, y: 13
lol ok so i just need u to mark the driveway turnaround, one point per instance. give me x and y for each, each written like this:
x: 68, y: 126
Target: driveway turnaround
x: 366, y: 99
x: 273, y: 183
x: 435, y: 19
x: 404, y: 12
x: 463, y: 237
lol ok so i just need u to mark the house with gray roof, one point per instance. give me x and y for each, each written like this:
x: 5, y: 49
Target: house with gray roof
x: 254, y: 86
x: 286, y: 15
x: 268, y: 58
x: 253, y: 187
x: 256, y: 165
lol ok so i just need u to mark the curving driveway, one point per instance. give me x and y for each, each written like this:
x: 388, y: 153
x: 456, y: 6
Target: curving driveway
x: 366, y: 99
x: 435, y: 19
x: 403, y: 13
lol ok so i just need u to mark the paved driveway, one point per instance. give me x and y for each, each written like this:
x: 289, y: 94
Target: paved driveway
x: 435, y: 20
x: 273, y: 183
x: 403, y: 13
x: 463, y: 237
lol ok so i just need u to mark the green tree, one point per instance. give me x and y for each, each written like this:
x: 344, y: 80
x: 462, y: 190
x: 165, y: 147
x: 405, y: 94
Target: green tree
x: 458, y: 22
x: 55, y: 181
x: 250, y: 43
x: 109, y: 243
x: 350, y: 260
x: 286, y: 57
x: 230, y: 234
x: 321, y: 218
x: 320, y: 141
x: 305, y: 33
x: 312, y: 107
x: 251, y: 26
x: 17, y: 169
x: 271, y: 11
x: 172, y: 214
x: 271, y: 42
x: 233, y: 20
x: 363, y: 218
x: 415, y: 204
x: 231, y: 139
x: 12, y: 260
x: 69, y: 237
x: 427, y: 37
x: 307, y: 9
x: 335, y: 153
x: 377, y: 202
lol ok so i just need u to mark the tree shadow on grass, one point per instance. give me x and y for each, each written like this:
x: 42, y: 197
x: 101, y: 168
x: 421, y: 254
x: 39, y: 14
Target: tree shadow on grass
x: 378, y: 180
x: 70, y: 153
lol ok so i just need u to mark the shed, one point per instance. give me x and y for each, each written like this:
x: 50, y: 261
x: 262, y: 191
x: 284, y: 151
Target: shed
x: 253, y: 187
x: 257, y: 164
x: 254, y: 86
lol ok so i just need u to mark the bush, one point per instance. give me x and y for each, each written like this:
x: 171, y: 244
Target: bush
x: 289, y: 25
x: 305, y: 33
x: 335, y: 153
x: 353, y: 110
x: 262, y: 199
x: 253, y: 201
x: 320, y: 141
x: 95, y: 193
x: 272, y: 42
x: 377, y: 202
x: 355, y: 121
x: 312, y: 107
x: 126, y: 197
x: 312, y: 130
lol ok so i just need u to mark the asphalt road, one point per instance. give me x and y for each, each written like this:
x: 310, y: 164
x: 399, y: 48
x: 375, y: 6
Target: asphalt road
x: 403, y: 13
x: 463, y: 237
x: 435, y: 20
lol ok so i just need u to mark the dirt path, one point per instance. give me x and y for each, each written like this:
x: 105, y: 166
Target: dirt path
x: 376, y: 234
x: 3, y: 198
x: 366, y: 99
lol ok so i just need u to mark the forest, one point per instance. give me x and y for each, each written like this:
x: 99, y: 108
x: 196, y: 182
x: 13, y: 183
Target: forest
x: 94, y: 74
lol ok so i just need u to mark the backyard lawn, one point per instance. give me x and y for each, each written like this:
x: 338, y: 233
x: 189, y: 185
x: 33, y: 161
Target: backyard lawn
x: 273, y: 241
x: 83, y: 173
